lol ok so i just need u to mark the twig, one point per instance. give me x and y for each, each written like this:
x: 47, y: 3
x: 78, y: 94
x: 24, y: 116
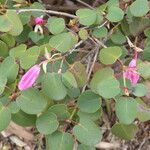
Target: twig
x: 106, y: 145
x: 85, y: 4
x: 46, y: 11
x: 74, y: 49
x: 62, y: 8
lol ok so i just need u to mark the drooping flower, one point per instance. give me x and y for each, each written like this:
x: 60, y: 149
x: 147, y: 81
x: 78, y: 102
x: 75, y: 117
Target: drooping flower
x: 131, y: 72
x: 29, y: 78
x: 39, y: 21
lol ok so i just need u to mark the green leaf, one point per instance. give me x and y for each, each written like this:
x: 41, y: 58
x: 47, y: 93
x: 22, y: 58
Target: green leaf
x: 37, y: 5
x: 124, y: 131
x: 18, y: 51
x: 92, y: 116
x: 25, y: 17
x: 3, y: 49
x: 8, y: 39
x: 5, y: 24
x: 69, y: 80
x: 3, y: 81
x: 104, y: 83
x: 14, y: 108
x: 60, y: 110
x: 12, y: 69
x: 113, y: 3
x: 86, y: 16
x: 87, y: 132
x: 79, y: 73
x: 62, y: 42
x: 53, y: 86
x: 118, y: 38
x: 23, y: 119
x: 147, y: 32
x: 138, y: 25
x: 89, y: 102
x: 143, y: 111
x: 110, y: 55
x: 140, y: 90
x: 30, y: 57
x: 100, y: 32
x: 35, y: 36
x: 143, y: 69
x: 85, y: 147
x: 23, y: 37
x: 5, y: 117
x: 126, y: 109
x: 47, y: 123
x: 55, y: 25
x: 55, y: 67
x: 31, y: 101
x: 83, y: 34
x: 139, y: 8
x: 73, y: 92
x: 17, y: 26
x: 60, y: 141
x: 115, y: 14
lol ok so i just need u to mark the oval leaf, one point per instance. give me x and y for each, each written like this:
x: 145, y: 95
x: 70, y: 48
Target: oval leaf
x: 53, y: 86
x: 47, y: 123
x: 126, y: 109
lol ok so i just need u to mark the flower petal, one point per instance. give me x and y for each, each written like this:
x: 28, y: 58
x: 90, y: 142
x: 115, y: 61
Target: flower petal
x: 29, y: 78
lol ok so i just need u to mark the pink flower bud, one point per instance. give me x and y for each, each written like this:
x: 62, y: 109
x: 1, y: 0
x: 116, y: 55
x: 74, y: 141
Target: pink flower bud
x: 39, y: 21
x: 131, y: 72
x: 29, y: 78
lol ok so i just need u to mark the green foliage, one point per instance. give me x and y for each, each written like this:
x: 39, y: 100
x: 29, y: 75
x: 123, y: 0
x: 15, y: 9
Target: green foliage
x: 143, y: 111
x: 5, y: 117
x: 16, y: 24
x: 126, y: 109
x: 29, y: 57
x: 110, y: 55
x: 104, y: 83
x: 139, y: 8
x: 86, y: 16
x: 56, y: 25
x: 100, y: 32
x: 85, y: 147
x: 3, y: 81
x: 59, y: 140
x: 140, y: 90
x: 3, y: 49
x: 31, y: 101
x: 58, y: 90
x: 85, y: 129
x: 124, y: 131
x: 89, y: 102
x: 115, y: 14
x: 12, y: 69
x: 60, y: 110
x: 23, y: 119
x: 62, y: 42
x: 47, y: 123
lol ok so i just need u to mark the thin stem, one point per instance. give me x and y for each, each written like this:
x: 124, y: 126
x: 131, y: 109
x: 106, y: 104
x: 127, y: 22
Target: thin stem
x: 46, y: 11
x: 73, y: 113
x: 85, y: 4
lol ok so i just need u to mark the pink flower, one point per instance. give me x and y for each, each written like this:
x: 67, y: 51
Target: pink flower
x: 29, y: 78
x: 131, y: 72
x: 39, y: 21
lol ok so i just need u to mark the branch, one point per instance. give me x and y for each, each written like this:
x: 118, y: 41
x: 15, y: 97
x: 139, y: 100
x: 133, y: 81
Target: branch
x: 46, y: 11
x: 85, y: 4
